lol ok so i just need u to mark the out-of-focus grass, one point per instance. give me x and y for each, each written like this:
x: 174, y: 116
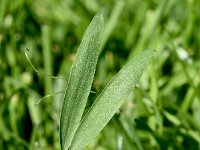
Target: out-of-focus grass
x: 163, y: 110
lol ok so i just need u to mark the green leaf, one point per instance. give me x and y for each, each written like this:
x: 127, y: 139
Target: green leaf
x: 80, y: 81
x: 110, y: 100
x: 172, y: 118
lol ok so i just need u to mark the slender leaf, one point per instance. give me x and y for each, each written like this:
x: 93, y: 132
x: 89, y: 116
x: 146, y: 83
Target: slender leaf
x: 80, y: 81
x: 110, y: 100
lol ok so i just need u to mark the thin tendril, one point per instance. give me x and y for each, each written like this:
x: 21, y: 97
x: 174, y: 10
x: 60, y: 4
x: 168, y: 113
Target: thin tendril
x: 43, y: 74
x: 37, y: 101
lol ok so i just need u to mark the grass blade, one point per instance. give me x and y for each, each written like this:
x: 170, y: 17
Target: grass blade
x: 80, y: 81
x: 110, y: 100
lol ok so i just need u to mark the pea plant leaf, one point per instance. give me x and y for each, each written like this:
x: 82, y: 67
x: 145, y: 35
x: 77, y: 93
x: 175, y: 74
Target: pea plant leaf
x: 80, y: 81
x: 110, y: 99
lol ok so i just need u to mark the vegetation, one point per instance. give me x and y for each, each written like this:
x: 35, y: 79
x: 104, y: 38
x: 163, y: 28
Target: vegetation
x: 161, y: 112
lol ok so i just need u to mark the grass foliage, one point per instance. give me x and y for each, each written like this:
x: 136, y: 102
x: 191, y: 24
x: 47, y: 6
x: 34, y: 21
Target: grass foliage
x: 162, y: 112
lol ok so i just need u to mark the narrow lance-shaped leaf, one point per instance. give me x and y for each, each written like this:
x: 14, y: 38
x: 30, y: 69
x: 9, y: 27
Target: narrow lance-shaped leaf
x: 110, y: 99
x: 80, y: 81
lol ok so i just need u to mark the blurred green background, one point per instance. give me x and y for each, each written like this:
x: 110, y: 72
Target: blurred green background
x: 162, y: 112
